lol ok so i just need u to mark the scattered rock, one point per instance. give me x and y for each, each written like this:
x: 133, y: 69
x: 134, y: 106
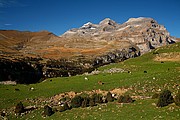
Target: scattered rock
x: 30, y: 108
x: 100, y: 83
x: 64, y: 107
x: 32, y: 89
x: 3, y: 113
x: 85, y: 78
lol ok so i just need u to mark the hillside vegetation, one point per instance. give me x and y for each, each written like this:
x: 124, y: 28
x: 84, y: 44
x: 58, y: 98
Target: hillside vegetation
x: 139, y: 77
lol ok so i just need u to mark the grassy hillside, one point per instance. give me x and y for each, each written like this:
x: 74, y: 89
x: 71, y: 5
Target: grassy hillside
x: 142, y: 76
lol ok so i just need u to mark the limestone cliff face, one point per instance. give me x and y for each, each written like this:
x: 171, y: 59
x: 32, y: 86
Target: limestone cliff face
x: 145, y: 33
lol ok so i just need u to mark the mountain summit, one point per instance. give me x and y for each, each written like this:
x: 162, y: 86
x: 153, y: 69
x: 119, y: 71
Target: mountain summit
x: 145, y: 33
x: 107, y: 21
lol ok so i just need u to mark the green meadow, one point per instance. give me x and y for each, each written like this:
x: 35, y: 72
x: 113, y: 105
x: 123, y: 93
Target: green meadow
x: 146, y: 76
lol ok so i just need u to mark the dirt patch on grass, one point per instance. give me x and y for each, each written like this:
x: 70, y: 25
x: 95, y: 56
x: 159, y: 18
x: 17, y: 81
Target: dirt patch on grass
x: 172, y: 56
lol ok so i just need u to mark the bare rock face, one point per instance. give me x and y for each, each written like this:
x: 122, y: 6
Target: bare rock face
x: 43, y: 54
x: 145, y: 33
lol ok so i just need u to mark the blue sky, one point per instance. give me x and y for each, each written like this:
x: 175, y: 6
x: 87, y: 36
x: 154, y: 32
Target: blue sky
x: 58, y: 16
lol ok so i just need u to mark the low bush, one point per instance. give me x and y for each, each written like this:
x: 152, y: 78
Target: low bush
x: 177, y: 99
x: 65, y: 99
x: 48, y: 111
x: 92, y: 102
x: 109, y: 97
x: 97, y: 98
x: 76, y: 102
x: 84, y: 95
x: 155, y: 52
x: 125, y: 99
x: 155, y: 96
x: 85, y: 102
x: 165, y: 98
x: 19, y: 108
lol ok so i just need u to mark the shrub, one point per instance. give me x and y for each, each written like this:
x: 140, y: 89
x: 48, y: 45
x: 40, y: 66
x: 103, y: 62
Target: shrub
x: 64, y: 107
x: 120, y: 99
x: 64, y: 99
x: 155, y: 52
x: 177, y: 99
x: 84, y: 95
x: 19, y: 108
x: 155, y: 96
x: 109, y: 97
x: 85, y: 102
x: 97, y: 98
x: 48, y: 111
x: 76, y: 102
x: 92, y: 102
x: 125, y: 99
x: 165, y: 98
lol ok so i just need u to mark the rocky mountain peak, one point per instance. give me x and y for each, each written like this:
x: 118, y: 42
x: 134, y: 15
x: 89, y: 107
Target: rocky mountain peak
x: 146, y: 33
x: 107, y: 21
x: 89, y: 25
x: 139, y: 19
x: 146, y: 22
x: 135, y: 19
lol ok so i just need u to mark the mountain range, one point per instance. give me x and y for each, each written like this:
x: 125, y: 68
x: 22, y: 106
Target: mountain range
x: 79, y: 49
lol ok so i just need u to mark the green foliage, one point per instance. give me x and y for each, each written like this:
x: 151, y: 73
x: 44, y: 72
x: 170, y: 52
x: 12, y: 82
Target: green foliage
x: 109, y: 97
x: 65, y: 99
x: 165, y: 98
x: 84, y: 95
x: 76, y: 101
x: 92, y: 102
x: 85, y: 102
x: 19, y: 108
x: 125, y: 99
x: 177, y: 99
x: 155, y: 52
x: 97, y: 98
x: 48, y: 111
x: 66, y: 106
x: 155, y: 96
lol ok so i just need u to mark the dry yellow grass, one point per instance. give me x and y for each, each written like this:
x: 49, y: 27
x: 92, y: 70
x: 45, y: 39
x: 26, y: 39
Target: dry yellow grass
x: 172, y: 56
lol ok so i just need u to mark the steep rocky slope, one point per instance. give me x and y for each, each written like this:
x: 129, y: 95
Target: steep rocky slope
x: 43, y: 54
x: 145, y: 33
